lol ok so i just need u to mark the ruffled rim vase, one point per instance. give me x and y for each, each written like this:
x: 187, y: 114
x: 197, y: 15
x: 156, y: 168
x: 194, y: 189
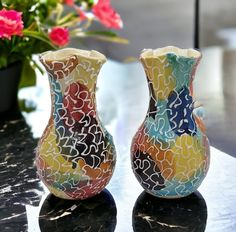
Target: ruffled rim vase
x: 76, y: 155
x: 170, y: 152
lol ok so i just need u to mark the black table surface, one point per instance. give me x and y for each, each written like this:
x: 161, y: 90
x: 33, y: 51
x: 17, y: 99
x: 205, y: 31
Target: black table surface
x: 122, y: 100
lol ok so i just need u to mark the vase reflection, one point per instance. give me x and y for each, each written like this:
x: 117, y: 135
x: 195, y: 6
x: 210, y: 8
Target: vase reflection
x: 175, y: 215
x: 94, y: 214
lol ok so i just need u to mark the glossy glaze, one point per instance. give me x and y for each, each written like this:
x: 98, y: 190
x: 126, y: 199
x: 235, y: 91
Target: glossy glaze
x: 24, y: 202
x: 76, y: 155
x: 170, y: 152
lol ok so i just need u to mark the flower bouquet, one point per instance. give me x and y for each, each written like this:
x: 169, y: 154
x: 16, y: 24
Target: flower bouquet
x: 31, y: 27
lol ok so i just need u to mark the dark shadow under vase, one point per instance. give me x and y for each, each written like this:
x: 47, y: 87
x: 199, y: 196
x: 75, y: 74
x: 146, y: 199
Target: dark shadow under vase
x: 169, y: 215
x: 94, y: 214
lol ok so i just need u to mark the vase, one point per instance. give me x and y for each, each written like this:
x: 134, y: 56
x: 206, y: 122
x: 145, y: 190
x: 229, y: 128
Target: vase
x: 170, y: 151
x: 75, y: 157
x: 9, y: 81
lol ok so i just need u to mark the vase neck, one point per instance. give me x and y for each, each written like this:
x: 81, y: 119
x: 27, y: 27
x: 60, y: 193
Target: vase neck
x: 170, y: 79
x: 73, y: 70
x: 169, y: 73
x: 73, y: 85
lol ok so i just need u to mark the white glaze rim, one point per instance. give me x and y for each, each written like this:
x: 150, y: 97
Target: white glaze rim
x: 152, y: 53
x: 66, y: 53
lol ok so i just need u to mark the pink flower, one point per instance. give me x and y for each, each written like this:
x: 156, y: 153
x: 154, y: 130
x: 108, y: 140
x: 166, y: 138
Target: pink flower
x: 59, y: 36
x: 10, y: 23
x: 69, y: 2
x: 81, y: 13
x: 107, y: 15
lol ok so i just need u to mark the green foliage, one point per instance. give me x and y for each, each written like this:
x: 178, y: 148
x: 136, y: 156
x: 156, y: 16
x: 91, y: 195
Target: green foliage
x: 105, y: 35
x: 39, y: 17
x: 35, y: 38
x: 28, y: 75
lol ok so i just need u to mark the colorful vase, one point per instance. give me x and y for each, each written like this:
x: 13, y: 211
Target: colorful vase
x: 76, y: 156
x: 170, y: 152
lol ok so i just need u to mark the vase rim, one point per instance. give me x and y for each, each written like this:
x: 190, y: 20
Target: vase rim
x: 154, y: 53
x: 65, y: 53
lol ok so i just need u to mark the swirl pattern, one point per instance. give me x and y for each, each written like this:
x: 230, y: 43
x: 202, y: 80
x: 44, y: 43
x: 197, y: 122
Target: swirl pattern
x: 170, y: 152
x: 76, y: 155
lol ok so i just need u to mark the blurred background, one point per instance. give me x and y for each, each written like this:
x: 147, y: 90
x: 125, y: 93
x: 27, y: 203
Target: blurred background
x: 157, y: 23
x: 122, y: 101
x: 152, y: 24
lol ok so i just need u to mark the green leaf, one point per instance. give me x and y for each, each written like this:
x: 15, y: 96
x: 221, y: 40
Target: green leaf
x: 66, y: 18
x: 39, y: 36
x: 3, y: 55
x: 3, y: 62
x: 28, y: 75
x: 52, y: 3
x: 104, y: 35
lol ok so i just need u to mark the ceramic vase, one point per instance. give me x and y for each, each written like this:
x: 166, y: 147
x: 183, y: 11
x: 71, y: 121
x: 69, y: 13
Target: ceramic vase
x: 170, y: 151
x: 75, y: 156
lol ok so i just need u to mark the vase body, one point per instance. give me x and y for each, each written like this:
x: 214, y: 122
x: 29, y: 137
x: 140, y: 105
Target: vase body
x: 9, y: 81
x: 170, y: 151
x: 75, y: 156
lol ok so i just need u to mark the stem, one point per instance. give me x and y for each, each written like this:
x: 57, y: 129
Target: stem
x: 32, y: 26
x: 60, y: 10
x: 114, y: 39
x: 38, y: 36
x: 71, y: 23
x: 76, y: 32
x: 65, y: 19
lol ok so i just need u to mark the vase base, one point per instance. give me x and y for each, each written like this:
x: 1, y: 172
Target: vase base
x: 168, y: 197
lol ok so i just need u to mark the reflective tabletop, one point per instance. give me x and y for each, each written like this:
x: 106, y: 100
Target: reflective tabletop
x: 122, y: 101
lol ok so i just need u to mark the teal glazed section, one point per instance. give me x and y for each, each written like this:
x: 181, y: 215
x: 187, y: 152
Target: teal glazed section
x: 170, y: 151
x: 183, y: 68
